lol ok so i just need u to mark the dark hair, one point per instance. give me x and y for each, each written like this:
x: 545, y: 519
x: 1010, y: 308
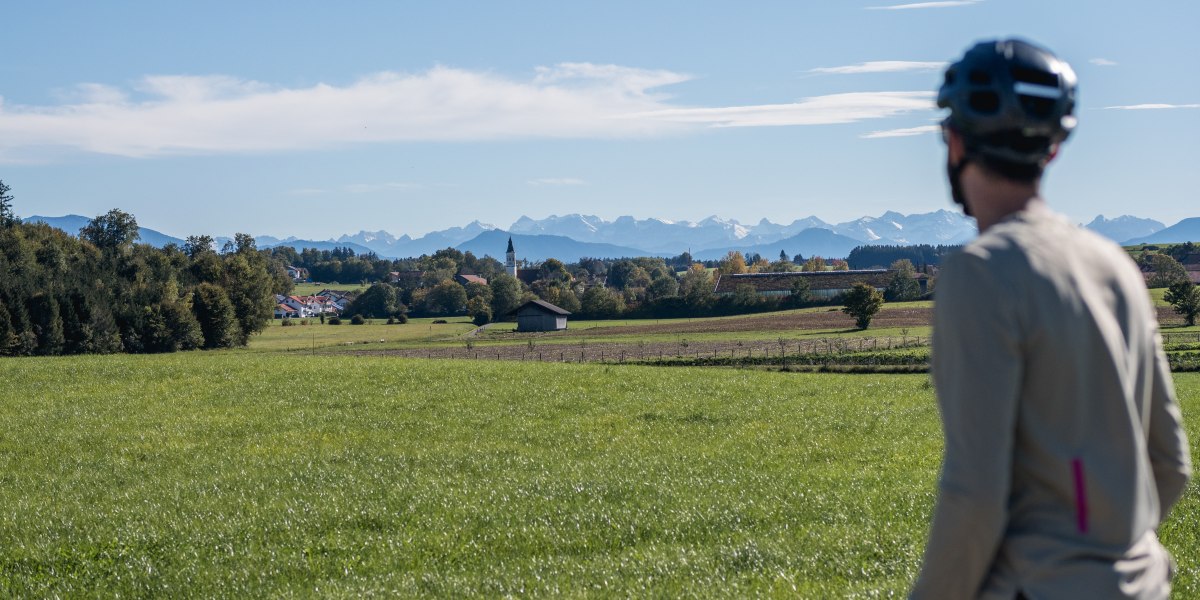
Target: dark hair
x: 1018, y: 172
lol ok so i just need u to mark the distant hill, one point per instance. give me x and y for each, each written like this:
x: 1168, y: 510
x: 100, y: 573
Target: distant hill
x: 73, y: 223
x: 807, y: 243
x: 1187, y: 230
x: 540, y: 247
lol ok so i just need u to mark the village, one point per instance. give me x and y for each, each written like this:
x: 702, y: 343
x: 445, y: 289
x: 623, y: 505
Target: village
x: 541, y: 297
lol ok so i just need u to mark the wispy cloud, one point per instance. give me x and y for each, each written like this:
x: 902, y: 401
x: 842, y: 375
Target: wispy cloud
x: 1103, y: 62
x: 1151, y: 106
x: 167, y: 115
x: 818, y: 110
x: 881, y: 66
x: 358, y: 188
x: 906, y: 132
x: 918, y: 5
x: 367, y: 188
x: 558, y: 181
x: 188, y: 115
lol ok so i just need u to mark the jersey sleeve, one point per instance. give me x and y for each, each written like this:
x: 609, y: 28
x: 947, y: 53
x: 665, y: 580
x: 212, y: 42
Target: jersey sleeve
x: 1167, y: 443
x: 978, y: 369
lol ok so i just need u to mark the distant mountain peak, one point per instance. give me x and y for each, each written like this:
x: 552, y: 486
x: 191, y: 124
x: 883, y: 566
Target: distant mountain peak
x: 1124, y: 227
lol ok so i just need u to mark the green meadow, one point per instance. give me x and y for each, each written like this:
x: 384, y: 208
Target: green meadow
x: 255, y: 474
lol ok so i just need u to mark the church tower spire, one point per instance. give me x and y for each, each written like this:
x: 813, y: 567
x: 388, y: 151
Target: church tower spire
x: 510, y: 259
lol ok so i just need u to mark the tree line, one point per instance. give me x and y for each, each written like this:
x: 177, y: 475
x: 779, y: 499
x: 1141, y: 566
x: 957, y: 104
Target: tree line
x: 921, y: 255
x: 592, y: 288
x: 101, y: 292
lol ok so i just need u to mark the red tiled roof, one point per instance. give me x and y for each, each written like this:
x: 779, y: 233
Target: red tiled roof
x: 474, y: 279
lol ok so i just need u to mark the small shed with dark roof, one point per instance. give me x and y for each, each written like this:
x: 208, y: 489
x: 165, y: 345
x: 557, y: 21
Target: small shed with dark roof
x: 539, y: 315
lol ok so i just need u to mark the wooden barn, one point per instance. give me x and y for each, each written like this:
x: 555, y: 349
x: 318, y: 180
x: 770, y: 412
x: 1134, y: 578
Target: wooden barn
x: 821, y: 284
x: 539, y: 315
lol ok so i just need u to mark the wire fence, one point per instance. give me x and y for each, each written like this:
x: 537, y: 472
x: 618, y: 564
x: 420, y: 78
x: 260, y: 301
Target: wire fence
x: 682, y: 350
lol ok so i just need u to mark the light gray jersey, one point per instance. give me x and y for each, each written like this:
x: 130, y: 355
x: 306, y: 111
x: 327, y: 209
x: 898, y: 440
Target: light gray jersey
x: 1064, y: 443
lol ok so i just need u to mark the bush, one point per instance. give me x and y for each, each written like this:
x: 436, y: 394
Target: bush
x: 439, y: 321
x: 401, y: 319
x: 862, y: 302
x: 357, y: 320
x: 333, y: 321
x: 286, y: 322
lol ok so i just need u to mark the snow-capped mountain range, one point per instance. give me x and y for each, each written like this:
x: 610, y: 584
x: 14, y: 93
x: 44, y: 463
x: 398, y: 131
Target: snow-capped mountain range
x: 663, y: 237
x: 569, y: 237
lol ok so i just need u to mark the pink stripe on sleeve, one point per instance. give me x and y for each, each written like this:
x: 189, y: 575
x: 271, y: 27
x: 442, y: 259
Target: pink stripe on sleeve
x: 1081, y: 506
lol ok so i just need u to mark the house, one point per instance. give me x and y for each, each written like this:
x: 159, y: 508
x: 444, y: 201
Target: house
x: 310, y: 306
x: 821, y: 284
x: 283, y: 311
x: 329, y: 305
x: 539, y: 315
x: 299, y: 307
x: 297, y: 273
x: 466, y: 279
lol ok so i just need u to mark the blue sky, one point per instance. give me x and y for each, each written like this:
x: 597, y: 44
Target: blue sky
x: 316, y: 119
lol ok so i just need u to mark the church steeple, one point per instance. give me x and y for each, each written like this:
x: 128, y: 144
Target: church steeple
x: 510, y: 259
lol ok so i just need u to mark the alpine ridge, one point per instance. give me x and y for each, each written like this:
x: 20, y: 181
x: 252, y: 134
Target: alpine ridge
x: 571, y: 236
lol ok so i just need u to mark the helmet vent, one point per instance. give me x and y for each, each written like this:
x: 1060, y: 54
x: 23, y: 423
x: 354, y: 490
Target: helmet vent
x: 1034, y: 76
x: 1037, y: 106
x: 984, y: 102
x: 977, y: 77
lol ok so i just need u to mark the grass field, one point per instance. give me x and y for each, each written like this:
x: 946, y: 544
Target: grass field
x: 221, y: 474
x: 798, y: 332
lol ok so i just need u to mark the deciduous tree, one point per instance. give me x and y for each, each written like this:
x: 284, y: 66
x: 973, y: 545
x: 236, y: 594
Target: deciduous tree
x: 1184, y: 298
x: 733, y: 263
x: 862, y: 302
x: 902, y: 286
x: 380, y: 301
x: 601, y: 302
x: 113, y: 230
x: 506, y: 294
x: 446, y: 298
x: 696, y: 286
x: 1166, y: 271
x: 814, y: 263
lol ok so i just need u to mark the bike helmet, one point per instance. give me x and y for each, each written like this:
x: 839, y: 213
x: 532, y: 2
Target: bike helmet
x: 1010, y: 100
